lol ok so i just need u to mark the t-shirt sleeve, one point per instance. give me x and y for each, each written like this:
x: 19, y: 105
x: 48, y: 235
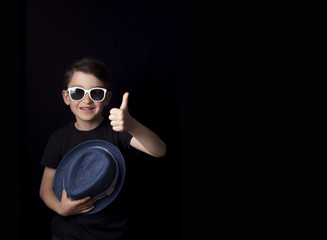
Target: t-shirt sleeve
x: 51, y: 154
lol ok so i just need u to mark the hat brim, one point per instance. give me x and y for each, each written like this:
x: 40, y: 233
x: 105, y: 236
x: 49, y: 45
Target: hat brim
x: 105, y: 201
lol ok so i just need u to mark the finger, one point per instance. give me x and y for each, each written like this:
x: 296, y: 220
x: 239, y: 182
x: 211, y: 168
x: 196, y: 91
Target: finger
x: 82, y: 200
x: 115, y: 111
x: 118, y: 128
x: 93, y: 200
x: 90, y: 201
x: 89, y: 205
x: 115, y: 123
x: 113, y: 117
x: 125, y: 101
x: 86, y: 205
x: 88, y: 209
x: 64, y: 194
x: 116, y: 117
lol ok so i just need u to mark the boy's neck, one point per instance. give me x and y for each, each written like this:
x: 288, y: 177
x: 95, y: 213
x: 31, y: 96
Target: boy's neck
x: 88, y: 125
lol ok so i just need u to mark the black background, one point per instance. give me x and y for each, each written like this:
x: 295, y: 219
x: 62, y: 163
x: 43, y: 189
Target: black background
x: 139, y: 41
x: 235, y: 90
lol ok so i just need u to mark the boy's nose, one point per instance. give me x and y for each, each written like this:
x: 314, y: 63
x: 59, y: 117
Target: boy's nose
x: 87, y: 98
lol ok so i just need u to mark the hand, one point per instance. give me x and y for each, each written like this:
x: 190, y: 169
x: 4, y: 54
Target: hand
x: 120, y: 118
x: 69, y: 207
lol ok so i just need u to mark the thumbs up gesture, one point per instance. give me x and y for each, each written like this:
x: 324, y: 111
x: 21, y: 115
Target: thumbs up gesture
x: 120, y: 117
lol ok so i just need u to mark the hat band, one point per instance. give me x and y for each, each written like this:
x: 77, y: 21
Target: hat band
x: 111, y: 188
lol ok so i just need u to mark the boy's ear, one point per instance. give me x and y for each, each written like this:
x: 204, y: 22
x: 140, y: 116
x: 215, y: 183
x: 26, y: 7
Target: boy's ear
x: 107, y: 99
x: 65, y: 97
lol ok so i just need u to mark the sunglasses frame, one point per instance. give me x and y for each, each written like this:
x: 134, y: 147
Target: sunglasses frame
x: 85, y: 92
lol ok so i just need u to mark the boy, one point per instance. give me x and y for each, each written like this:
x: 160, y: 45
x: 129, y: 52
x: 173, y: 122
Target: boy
x: 87, y: 92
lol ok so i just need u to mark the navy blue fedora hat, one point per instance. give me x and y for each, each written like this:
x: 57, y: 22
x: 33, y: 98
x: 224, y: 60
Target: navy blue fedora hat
x: 93, y: 168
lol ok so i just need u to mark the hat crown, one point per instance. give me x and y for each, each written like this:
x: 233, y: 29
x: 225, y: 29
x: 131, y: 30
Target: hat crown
x: 90, y: 174
x: 93, y: 168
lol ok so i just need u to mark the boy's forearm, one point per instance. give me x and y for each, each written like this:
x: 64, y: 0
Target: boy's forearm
x: 47, y: 193
x: 146, y: 140
x: 50, y: 199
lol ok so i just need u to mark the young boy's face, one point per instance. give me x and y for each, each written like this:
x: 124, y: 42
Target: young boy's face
x: 86, y: 110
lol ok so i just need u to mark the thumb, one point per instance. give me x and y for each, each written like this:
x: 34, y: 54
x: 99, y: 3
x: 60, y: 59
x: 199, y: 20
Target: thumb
x: 63, y: 194
x: 125, y: 101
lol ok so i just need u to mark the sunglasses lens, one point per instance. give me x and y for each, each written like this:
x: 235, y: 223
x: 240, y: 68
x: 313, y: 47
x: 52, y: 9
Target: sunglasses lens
x: 97, y: 94
x: 77, y: 94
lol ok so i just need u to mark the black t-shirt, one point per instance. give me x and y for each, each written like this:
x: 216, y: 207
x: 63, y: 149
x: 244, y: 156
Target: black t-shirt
x: 109, y: 223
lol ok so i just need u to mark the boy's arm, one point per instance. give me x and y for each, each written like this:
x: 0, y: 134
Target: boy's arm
x: 146, y: 141
x: 65, y: 207
x: 143, y: 139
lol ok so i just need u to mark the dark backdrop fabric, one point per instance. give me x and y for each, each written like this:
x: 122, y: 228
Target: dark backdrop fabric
x: 139, y: 41
x: 10, y: 65
x: 251, y: 82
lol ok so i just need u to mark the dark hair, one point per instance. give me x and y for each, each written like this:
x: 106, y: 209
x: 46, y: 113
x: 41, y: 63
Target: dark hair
x: 88, y: 65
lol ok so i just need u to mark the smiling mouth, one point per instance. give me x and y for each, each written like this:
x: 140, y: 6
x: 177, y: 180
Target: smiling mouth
x: 87, y: 108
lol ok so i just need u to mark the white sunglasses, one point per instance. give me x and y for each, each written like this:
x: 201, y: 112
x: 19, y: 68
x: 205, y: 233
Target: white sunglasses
x: 96, y: 94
